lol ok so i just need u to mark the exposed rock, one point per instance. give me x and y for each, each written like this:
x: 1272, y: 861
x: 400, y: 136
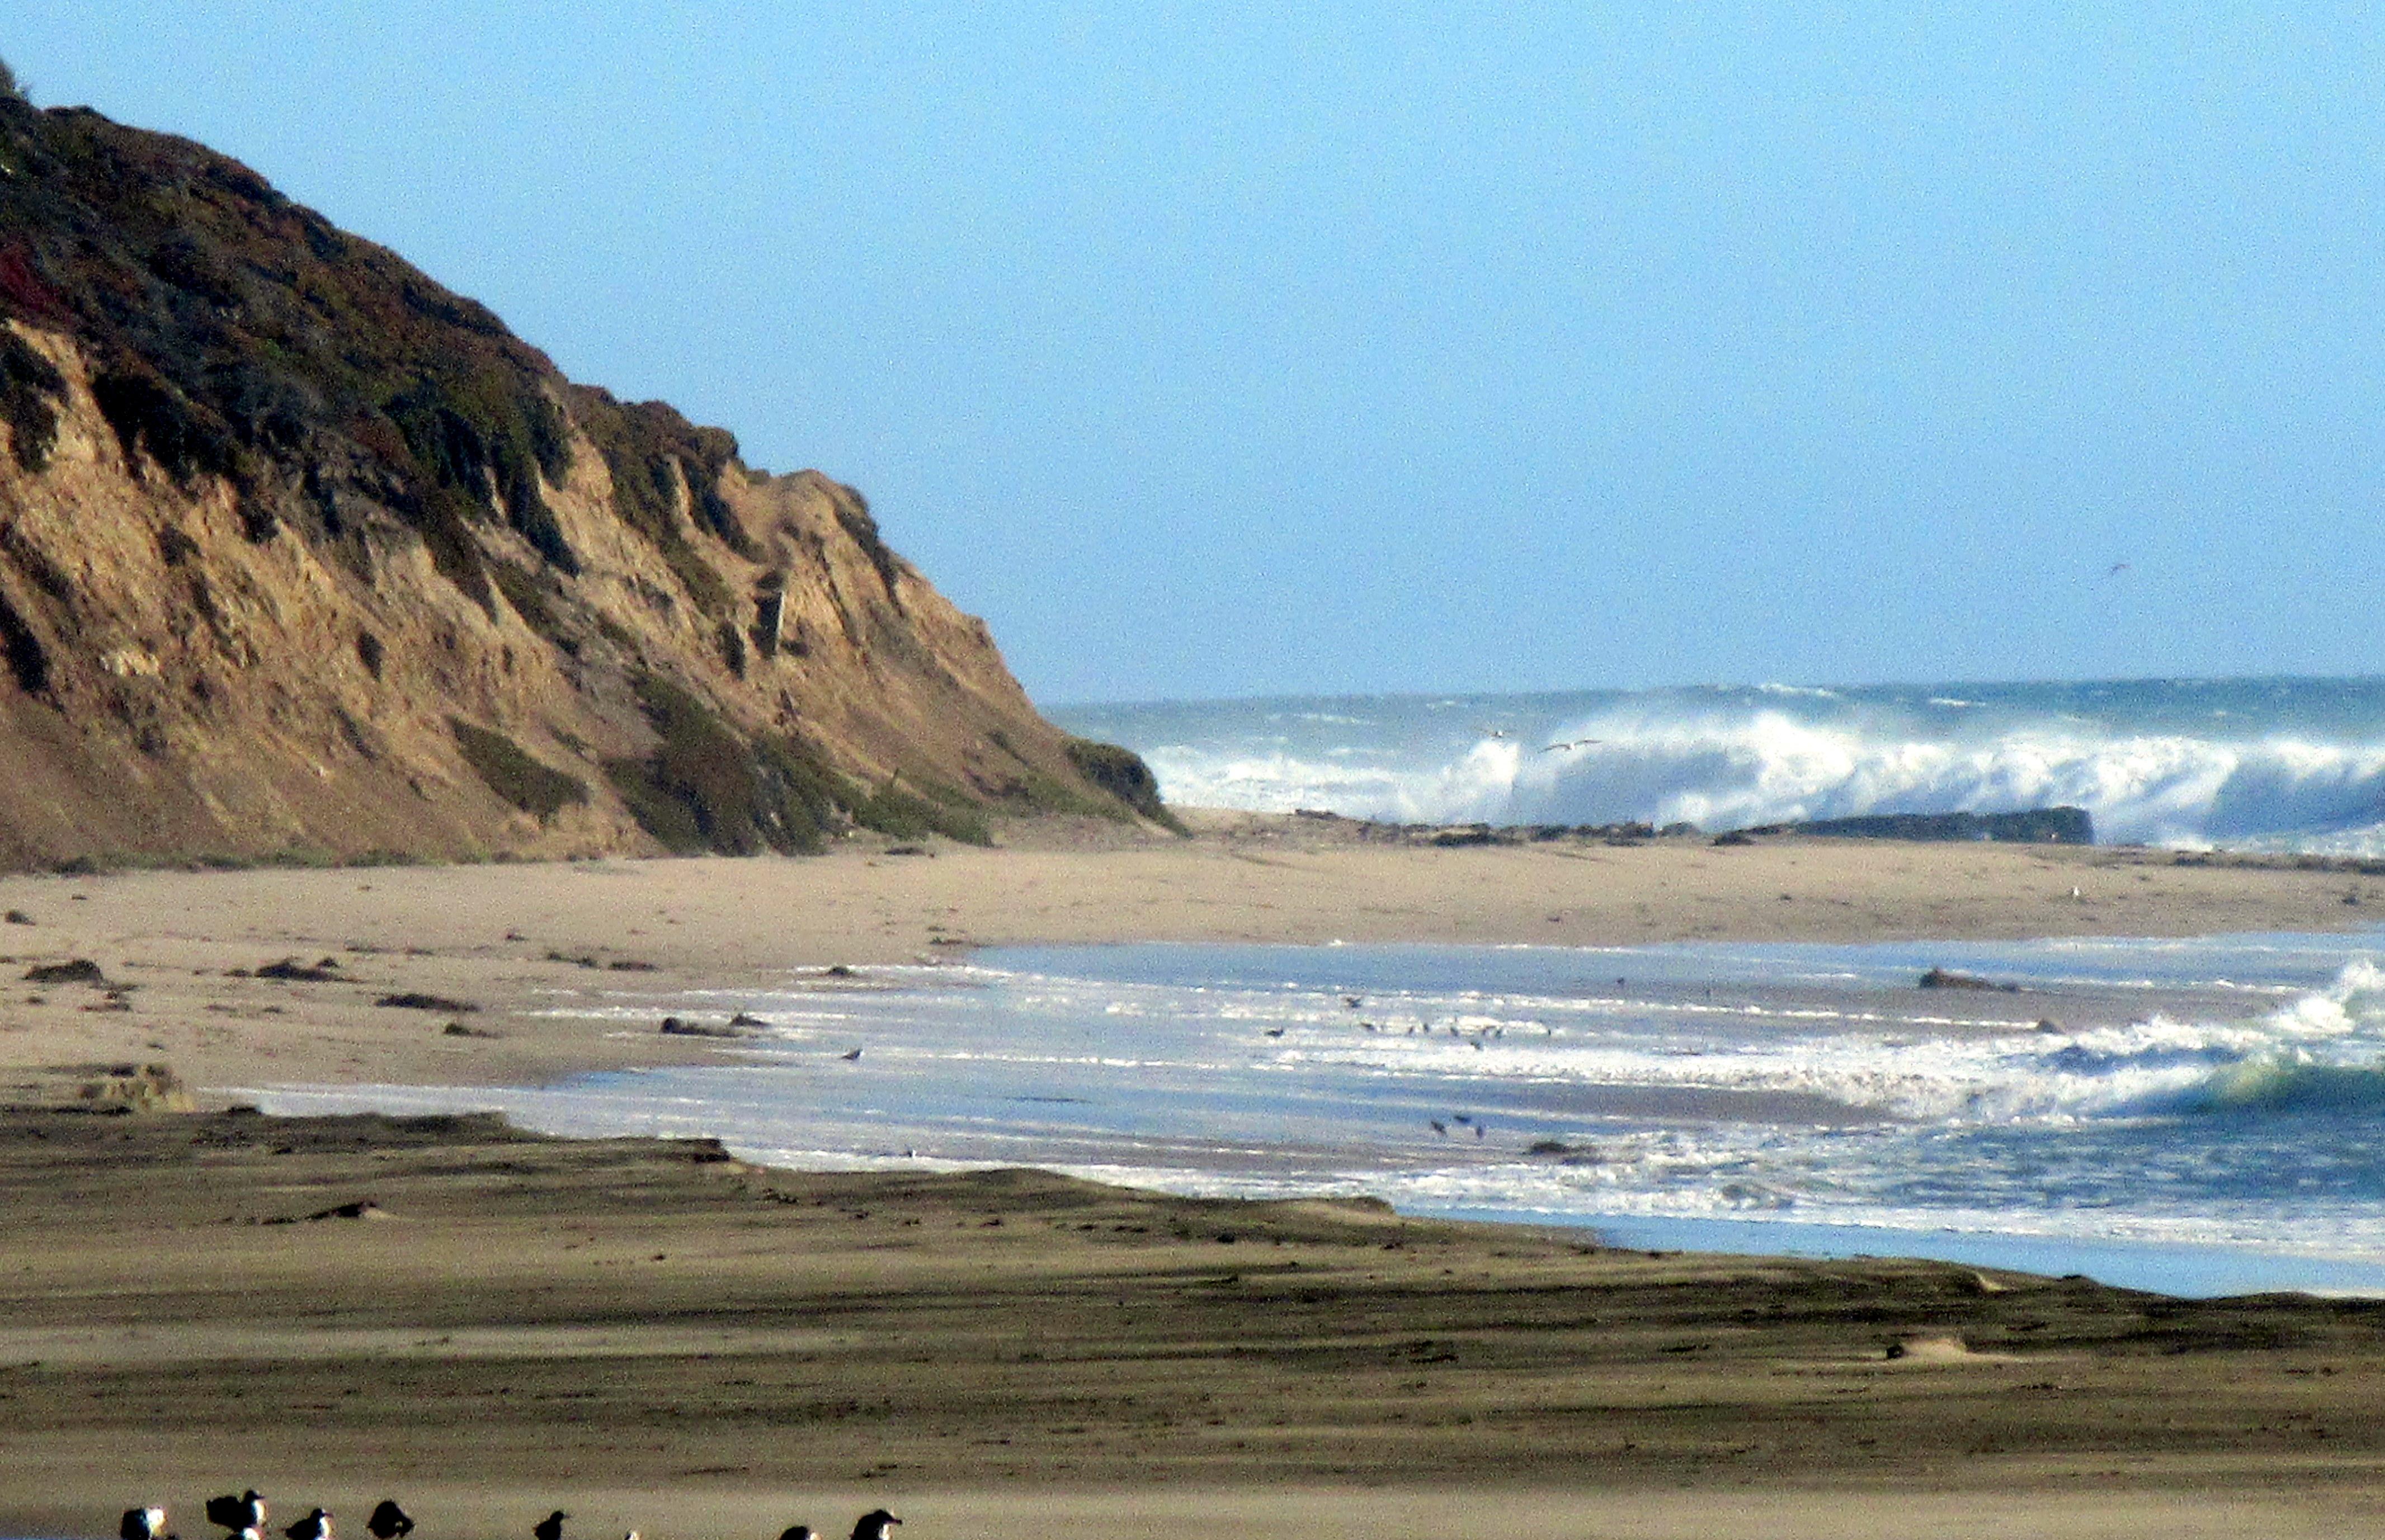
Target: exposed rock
x: 300, y: 552
x: 2043, y: 825
x: 1943, y: 978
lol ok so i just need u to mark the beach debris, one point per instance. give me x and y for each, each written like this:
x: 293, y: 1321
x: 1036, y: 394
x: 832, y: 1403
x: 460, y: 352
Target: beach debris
x: 874, y: 1525
x: 1275, y: 1032
x: 82, y: 970
x: 674, y: 1027
x: 836, y: 970
x: 140, y: 1088
x: 317, y: 1525
x: 2051, y: 1028
x: 550, y: 1527
x: 458, y: 1029
x: 1353, y: 1001
x: 908, y: 850
x: 17, y: 917
x: 746, y: 1019
x: 143, y: 1524
x: 796, y: 1532
x: 631, y: 965
x: 1944, y: 978
x: 389, y: 1521
x: 245, y: 1511
x: 361, y: 1207
x: 412, y: 999
x: 291, y: 971
x: 1933, y: 1347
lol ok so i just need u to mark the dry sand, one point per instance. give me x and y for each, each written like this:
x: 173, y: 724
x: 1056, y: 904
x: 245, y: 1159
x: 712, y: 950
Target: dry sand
x: 649, y: 1334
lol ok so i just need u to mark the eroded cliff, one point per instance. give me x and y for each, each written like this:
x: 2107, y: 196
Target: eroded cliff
x: 300, y: 552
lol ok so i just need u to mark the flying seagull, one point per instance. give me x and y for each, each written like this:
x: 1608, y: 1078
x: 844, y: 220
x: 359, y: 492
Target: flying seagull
x: 1570, y: 744
x: 245, y: 1511
x: 143, y: 1524
x: 2117, y: 568
x: 317, y: 1525
x: 876, y: 1524
x: 389, y: 1521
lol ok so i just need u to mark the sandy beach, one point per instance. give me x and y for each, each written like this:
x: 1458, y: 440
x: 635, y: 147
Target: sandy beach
x: 487, y: 1324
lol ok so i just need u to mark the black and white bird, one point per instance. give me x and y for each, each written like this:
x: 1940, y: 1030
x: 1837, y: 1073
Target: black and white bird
x: 317, y: 1525
x: 550, y: 1527
x: 876, y: 1524
x: 244, y: 1511
x: 143, y: 1524
x: 796, y: 1532
x: 389, y: 1521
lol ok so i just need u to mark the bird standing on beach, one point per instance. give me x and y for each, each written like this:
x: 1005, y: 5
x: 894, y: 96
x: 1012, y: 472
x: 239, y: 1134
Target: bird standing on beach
x: 245, y: 1511
x: 389, y: 1521
x: 874, y: 1525
x: 550, y: 1527
x: 317, y: 1525
x: 143, y: 1524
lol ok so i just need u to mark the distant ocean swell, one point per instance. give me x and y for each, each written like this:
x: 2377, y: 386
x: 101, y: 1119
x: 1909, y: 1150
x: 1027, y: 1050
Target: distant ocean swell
x: 2272, y: 769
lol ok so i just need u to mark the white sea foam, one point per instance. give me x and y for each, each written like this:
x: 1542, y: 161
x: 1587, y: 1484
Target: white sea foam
x: 1735, y: 768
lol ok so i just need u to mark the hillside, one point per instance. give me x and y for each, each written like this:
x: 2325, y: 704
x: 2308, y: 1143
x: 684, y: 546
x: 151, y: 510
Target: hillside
x: 301, y: 552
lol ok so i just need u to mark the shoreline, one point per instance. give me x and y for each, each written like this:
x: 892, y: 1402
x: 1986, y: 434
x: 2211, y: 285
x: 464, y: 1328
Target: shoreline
x: 481, y: 1319
x: 179, y: 952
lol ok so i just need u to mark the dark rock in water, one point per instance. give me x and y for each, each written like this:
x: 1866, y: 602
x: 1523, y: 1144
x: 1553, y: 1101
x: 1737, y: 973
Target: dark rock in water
x: 82, y: 969
x: 1940, y: 978
x: 2044, y: 826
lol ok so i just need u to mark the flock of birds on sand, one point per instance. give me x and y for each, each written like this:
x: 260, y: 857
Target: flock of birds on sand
x: 242, y: 1517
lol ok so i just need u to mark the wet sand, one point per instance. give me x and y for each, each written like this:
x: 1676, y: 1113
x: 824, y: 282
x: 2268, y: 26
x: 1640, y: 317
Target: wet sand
x: 486, y: 1324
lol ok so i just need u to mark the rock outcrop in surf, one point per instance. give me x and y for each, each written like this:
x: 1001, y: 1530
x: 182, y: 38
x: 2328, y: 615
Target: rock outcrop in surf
x: 301, y: 552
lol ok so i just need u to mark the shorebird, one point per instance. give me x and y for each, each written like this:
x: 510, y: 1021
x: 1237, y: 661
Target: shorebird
x: 874, y: 1525
x: 796, y: 1532
x: 143, y: 1524
x: 317, y: 1525
x: 550, y: 1527
x: 245, y: 1511
x: 388, y: 1521
x: 853, y: 1058
x: 1438, y: 1126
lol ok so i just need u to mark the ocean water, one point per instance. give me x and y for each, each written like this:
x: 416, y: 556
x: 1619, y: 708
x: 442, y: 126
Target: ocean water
x: 2256, y: 764
x: 2196, y: 1115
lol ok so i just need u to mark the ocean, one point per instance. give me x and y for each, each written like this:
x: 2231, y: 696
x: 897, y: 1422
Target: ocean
x: 2282, y: 764
x: 2195, y: 1115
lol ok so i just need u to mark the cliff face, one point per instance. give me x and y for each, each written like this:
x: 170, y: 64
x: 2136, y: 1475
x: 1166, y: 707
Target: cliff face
x: 301, y: 552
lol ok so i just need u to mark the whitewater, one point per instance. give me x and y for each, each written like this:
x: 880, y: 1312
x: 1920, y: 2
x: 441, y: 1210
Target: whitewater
x: 2280, y: 764
x: 2193, y: 1115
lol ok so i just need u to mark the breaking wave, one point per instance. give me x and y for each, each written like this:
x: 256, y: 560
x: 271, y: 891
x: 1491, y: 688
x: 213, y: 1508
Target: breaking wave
x: 2257, y: 767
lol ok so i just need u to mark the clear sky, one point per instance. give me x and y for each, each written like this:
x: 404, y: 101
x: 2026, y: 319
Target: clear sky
x: 1216, y: 350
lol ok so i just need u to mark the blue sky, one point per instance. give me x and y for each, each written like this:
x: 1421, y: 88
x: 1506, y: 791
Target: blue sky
x: 1221, y: 350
